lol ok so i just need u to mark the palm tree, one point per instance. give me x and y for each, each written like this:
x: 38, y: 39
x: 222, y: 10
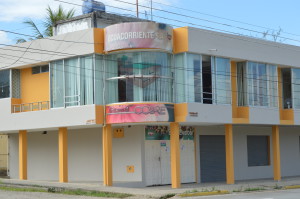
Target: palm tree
x: 52, y: 17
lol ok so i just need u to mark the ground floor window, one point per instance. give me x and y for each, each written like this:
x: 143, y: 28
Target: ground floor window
x: 258, y: 148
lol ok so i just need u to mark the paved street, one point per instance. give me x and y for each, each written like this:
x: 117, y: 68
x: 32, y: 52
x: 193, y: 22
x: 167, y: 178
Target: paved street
x: 37, y: 195
x: 282, y: 194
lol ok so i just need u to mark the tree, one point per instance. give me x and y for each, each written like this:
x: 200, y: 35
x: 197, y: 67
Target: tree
x: 50, y: 20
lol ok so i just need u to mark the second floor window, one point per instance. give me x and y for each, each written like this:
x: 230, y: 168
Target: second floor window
x: 4, y: 84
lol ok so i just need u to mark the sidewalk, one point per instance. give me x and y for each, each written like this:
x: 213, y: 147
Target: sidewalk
x: 158, y: 190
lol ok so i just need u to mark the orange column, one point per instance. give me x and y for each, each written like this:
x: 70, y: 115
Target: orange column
x: 229, y: 154
x: 63, y: 154
x: 175, y: 155
x: 276, y: 152
x: 107, y: 155
x: 23, y: 155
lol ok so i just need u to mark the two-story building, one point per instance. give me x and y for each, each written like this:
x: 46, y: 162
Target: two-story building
x: 142, y: 102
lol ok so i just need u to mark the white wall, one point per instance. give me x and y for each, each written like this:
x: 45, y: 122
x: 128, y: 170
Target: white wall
x: 85, y: 154
x: 13, y: 149
x: 239, y: 47
x: 210, y: 113
x: 128, y: 151
x: 263, y: 115
x: 290, y: 150
x: 241, y: 169
x: 42, y: 163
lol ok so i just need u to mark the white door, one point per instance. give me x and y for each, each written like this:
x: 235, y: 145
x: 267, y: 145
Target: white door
x: 152, y: 162
x: 158, y: 161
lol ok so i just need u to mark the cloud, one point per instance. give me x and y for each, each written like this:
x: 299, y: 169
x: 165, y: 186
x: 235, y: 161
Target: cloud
x: 4, y: 38
x: 14, y: 10
x: 17, y: 10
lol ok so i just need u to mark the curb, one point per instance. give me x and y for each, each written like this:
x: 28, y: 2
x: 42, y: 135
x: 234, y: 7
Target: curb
x: 205, y: 193
x: 292, y: 187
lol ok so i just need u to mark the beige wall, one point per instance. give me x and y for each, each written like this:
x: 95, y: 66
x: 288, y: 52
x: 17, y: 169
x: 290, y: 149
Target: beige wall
x: 3, y: 151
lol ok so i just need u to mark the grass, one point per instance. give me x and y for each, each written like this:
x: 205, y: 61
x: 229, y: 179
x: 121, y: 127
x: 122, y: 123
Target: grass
x: 68, y: 192
x: 254, y: 189
x: 21, y: 189
x: 170, y: 195
x: 205, y: 193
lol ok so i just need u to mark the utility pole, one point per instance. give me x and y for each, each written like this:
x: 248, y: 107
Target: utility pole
x: 137, y: 8
x: 151, y: 10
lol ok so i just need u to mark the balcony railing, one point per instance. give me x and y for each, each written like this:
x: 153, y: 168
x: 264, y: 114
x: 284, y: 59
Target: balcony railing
x: 27, y: 107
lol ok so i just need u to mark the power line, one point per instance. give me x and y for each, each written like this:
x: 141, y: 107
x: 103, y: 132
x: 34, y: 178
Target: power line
x: 236, y: 21
x: 206, y: 20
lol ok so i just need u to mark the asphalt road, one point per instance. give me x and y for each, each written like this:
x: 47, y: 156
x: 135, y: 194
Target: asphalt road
x: 277, y: 194
x: 38, y: 195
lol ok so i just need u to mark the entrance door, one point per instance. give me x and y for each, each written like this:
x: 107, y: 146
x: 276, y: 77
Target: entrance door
x: 3, y: 155
x: 212, y: 158
x: 158, y: 162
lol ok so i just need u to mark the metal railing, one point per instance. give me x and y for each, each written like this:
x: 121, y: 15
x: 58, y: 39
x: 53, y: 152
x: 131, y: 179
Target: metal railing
x: 27, y: 107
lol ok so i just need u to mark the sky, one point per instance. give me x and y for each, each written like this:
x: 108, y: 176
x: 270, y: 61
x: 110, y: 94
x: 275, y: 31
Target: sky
x: 243, y: 17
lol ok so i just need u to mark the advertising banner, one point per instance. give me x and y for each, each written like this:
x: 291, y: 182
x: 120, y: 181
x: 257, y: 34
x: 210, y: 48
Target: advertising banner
x: 131, y: 113
x: 163, y: 133
x: 138, y: 35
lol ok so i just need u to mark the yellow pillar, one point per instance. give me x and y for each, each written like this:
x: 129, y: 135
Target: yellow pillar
x: 63, y: 154
x: 229, y: 154
x: 23, y: 155
x: 276, y: 152
x: 107, y: 155
x: 175, y: 155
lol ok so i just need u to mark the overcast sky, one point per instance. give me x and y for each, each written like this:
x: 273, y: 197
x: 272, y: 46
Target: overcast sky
x: 248, y: 17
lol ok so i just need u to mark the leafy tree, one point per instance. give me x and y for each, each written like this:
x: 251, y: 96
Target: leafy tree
x: 50, y: 20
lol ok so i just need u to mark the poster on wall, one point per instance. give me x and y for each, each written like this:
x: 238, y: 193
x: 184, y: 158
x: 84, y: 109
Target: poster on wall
x: 163, y: 133
x: 131, y: 113
x: 138, y: 35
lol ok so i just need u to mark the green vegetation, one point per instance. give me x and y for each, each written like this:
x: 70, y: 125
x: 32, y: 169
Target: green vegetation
x: 22, y: 189
x: 170, y: 195
x: 52, y: 17
x: 254, y: 189
x: 68, y: 192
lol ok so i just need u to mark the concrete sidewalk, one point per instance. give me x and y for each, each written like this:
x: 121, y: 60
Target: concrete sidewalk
x: 158, y: 191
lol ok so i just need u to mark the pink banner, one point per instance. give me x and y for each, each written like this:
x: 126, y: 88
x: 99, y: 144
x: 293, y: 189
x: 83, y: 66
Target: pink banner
x: 138, y: 35
x: 131, y: 113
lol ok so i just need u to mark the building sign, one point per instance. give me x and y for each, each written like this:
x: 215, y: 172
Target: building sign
x: 163, y: 133
x: 130, y: 113
x: 138, y: 35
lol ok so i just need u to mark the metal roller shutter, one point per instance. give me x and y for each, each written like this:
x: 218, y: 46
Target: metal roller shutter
x: 212, y: 158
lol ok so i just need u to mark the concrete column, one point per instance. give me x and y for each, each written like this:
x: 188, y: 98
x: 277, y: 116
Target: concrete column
x: 175, y: 155
x: 276, y: 153
x: 63, y: 154
x: 229, y: 154
x: 107, y: 155
x: 23, y: 155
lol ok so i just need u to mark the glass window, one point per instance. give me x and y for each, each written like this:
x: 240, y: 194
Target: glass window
x: 194, y: 79
x: 99, y: 71
x: 257, y: 84
x: 179, y: 82
x: 296, y: 87
x: 57, y: 84
x: 242, y: 84
x: 273, y: 85
x: 73, y: 81
x: 258, y: 148
x: 86, y: 80
x: 139, y: 76
x: 4, y: 84
x: 222, y: 81
x: 72, y: 89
